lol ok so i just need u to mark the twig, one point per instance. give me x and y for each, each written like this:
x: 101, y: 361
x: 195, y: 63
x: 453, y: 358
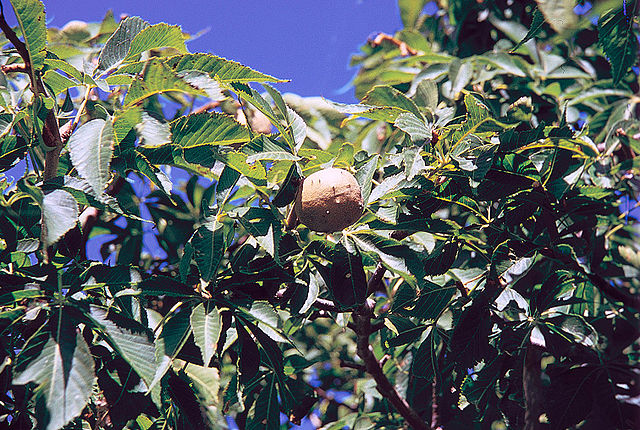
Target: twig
x: 352, y: 365
x: 329, y: 397
x: 362, y: 318
x: 405, y: 49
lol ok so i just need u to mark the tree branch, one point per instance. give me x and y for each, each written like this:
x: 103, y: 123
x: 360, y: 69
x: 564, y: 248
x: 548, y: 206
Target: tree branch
x: 532, y: 386
x: 362, y: 318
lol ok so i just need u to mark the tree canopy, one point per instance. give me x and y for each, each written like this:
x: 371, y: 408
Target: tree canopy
x: 153, y: 274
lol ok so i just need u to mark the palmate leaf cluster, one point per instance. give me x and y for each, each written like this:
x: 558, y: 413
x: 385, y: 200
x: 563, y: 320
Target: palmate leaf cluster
x: 495, y: 144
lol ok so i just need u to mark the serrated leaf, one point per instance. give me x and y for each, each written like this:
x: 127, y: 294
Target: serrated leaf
x: 91, y: 149
x: 32, y: 22
x: 59, y: 215
x: 255, y: 172
x: 395, y: 255
x: 619, y: 41
x: 364, y: 176
x: 206, y: 326
x: 413, y: 126
x: 348, y: 284
x: 152, y: 131
x: 205, y: 382
x: 383, y: 95
x: 209, y: 245
x: 265, y: 413
x: 204, y: 82
x: 132, y: 341
x: 156, y: 36
x: 64, y: 372
x: 376, y: 113
x: 157, y: 79
x: 558, y: 13
x: 117, y: 46
x: 219, y: 68
x: 536, y: 24
x: 208, y: 128
x: 460, y: 73
x: 298, y: 128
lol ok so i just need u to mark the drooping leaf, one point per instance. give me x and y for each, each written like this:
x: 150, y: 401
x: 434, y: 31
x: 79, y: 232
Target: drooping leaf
x: 364, y: 176
x: 156, y: 36
x: 619, y: 41
x: 396, y: 256
x: 348, y: 282
x: 205, y: 382
x: 133, y: 341
x: 265, y: 412
x: 32, y: 22
x: 208, y: 243
x: 64, y: 372
x: 59, y: 215
x: 117, y: 47
x: 91, y: 149
x: 206, y: 326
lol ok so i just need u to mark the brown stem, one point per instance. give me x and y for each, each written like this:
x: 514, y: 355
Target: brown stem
x: 14, y: 68
x: 532, y: 386
x: 362, y: 318
x: 352, y: 365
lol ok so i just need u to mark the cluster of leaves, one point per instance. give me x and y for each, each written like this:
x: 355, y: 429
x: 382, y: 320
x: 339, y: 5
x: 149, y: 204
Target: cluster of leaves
x: 495, y: 144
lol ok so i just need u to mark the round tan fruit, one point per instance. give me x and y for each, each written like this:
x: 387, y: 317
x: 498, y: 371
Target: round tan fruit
x: 329, y: 200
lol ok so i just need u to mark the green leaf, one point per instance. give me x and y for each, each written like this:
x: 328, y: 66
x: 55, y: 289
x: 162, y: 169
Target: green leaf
x: 32, y: 21
x: 206, y: 326
x: 263, y: 225
x: 413, y: 126
x: 208, y: 128
x: 410, y: 11
x: 386, y: 96
x: 376, y: 113
x: 254, y: 172
x: 460, y: 74
x: 64, y: 372
x: 157, y: 78
x: 348, y: 285
x: 156, y: 36
x: 132, y: 341
x: 536, y: 25
x: 395, y: 255
x: 209, y: 246
x: 117, y: 46
x: 59, y: 215
x: 205, y: 382
x: 558, y: 13
x: 91, y: 149
x: 287, y: 192
x: 619, y: 41
x: 220, y: 69
x: 364, y: 176
x: 265, y: 412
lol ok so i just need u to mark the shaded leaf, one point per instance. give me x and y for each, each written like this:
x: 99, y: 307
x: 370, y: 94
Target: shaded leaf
x: 348, y: 282
x: 619, y: 41
x: 64, y: 372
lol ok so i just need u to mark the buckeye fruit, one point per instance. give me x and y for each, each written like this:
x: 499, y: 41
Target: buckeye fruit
x: 329, y: 200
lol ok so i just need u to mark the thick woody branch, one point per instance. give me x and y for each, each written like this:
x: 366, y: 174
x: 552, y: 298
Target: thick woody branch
x: 533, y: 390
x: 362, y: 318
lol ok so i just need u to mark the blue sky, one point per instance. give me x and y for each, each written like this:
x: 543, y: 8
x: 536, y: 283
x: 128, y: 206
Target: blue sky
x: 307, y: 41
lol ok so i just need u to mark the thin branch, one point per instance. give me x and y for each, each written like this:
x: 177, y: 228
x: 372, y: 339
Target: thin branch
x: 352, y: 365
x: 532, y: 387
x: 362, y: 318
